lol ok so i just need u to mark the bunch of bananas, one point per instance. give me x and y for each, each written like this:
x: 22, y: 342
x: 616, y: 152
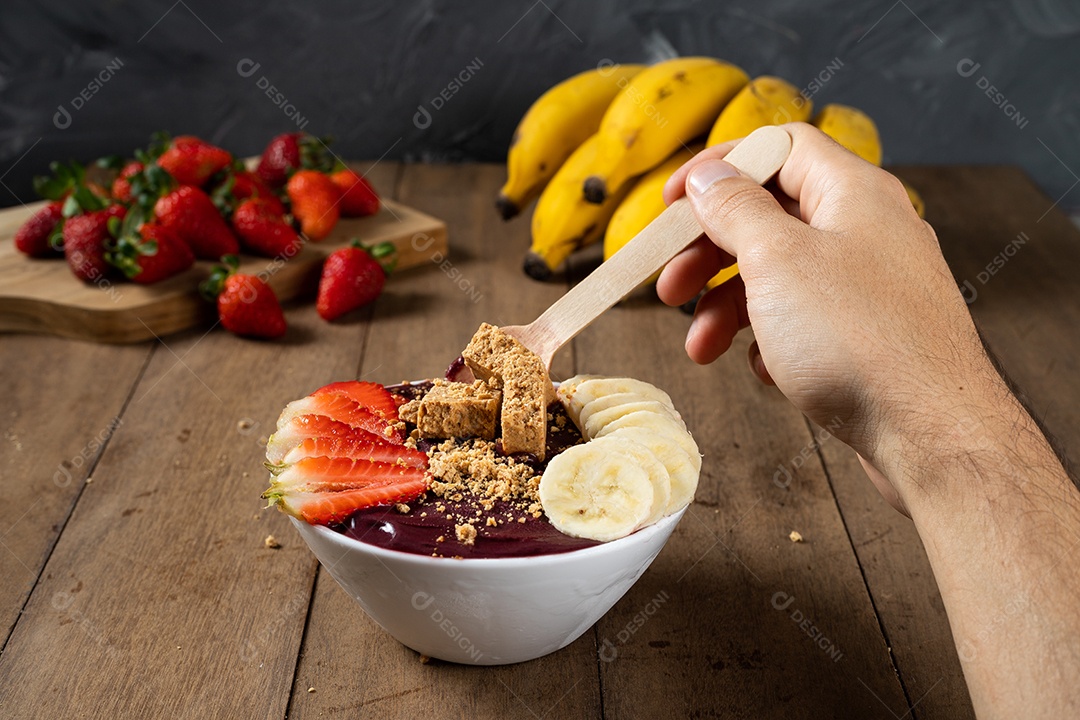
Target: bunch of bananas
x: 597, y: 148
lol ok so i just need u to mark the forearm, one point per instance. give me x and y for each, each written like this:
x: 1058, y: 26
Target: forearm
x: 1000, y: 520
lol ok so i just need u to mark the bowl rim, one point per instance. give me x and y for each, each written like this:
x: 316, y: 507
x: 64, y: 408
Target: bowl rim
x: 638, y: 537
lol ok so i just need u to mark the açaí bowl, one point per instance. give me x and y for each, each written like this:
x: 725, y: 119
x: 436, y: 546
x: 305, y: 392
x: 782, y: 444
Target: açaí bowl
x: 487, y: 611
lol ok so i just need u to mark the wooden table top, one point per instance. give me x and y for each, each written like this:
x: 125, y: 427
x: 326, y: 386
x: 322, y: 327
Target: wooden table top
x: 136, y: 582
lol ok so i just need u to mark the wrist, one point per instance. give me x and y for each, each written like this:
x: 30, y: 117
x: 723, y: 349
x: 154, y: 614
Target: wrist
x: 962, y: 441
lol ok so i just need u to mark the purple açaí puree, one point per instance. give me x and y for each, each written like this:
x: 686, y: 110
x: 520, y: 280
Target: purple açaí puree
x: 427, y: 531
x: 413, y: 533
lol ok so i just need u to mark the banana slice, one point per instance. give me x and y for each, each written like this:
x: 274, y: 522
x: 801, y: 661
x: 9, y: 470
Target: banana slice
x: 580, y: 390
x: 658, y: 476
x: 598, y: 420
x: 683, y: 469
x: 599, y: 490
x: 656, y: 423
x: 610, y: 401
x: 566, y: 391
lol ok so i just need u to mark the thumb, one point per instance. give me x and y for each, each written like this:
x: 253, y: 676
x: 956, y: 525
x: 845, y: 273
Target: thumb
x: 735, y: 212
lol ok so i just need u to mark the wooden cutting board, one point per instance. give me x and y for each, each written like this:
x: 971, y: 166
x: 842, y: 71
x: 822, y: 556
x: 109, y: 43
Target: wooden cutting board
x: 42, y: 296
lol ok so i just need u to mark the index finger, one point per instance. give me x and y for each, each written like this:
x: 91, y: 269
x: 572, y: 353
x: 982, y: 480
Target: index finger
x: 817, y: 168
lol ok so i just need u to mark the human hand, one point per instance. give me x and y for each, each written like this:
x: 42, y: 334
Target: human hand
x: 856, y: 316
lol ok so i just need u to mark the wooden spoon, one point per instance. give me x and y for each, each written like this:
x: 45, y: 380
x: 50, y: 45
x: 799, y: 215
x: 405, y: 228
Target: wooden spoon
x: 759, y: 157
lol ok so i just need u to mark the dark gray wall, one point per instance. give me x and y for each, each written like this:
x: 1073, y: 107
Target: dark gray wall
x: 360, y: 71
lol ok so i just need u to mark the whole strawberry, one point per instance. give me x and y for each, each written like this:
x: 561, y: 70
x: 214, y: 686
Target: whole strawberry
x: 86, y: 238
x: 293, y: 151
x: 190, y: 214
x: 121, y: 186
x: 192, y: 161
x: 281, y: 156
x: 246, y: 305
x: 315, y: 202
x: 262, y: 227
x: 358, y: 198
x: 151, y: 255
x: 352, y: 277
x: 247, y: 184
x: 33, y: 237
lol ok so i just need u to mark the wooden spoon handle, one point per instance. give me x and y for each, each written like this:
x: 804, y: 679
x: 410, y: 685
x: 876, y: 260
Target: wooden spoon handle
x: 759, y: 157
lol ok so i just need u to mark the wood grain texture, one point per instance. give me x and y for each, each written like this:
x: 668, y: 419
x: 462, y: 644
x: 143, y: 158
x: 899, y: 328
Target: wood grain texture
x: 42, y: 296
x: 1026, y: 307
x: 161, y: 591
x: 355, y: 667
x: 159, y: 599
x: 61, y: 404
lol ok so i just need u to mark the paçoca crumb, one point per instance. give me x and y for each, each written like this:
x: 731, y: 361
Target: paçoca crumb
x: 466, y: 533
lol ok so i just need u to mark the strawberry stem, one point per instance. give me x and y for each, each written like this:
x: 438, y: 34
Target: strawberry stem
x: 385, y: 253
x: 212, y: 286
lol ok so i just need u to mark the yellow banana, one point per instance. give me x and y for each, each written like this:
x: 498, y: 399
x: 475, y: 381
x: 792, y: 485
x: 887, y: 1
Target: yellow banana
x: 723, y: 276
x: 642, y: 204
x: 916, y: 200
x: 562, y: 221
x: 853, y: 129
x: 661, y: 109
x: 553, y: 127
x: 764, y: 101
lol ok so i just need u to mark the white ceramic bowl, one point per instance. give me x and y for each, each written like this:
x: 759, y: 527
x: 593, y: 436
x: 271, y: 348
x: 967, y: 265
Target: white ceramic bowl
x: 487, y: 611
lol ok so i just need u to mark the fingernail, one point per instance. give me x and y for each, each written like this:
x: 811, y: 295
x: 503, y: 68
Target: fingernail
x: 690, y: 334
x: 707, y: 174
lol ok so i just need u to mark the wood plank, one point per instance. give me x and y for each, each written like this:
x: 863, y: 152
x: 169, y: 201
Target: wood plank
x: 1027, y: 310
x: 160, y: 598
x: 62, y: 401
x: 355, y: 667
x: 714, y: 627
x: 43, y: 296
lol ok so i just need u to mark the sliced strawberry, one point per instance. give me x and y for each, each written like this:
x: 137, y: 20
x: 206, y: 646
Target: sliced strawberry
x: 335, y: 474
x: 355, y: 448
x: 372, y: 396
x: 302, y: 427
x: 343, y: 409
x: 328, y: 508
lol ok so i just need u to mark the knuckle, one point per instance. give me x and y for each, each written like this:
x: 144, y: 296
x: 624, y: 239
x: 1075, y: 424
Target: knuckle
x: 891, y: 187
x: 743, y: 202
